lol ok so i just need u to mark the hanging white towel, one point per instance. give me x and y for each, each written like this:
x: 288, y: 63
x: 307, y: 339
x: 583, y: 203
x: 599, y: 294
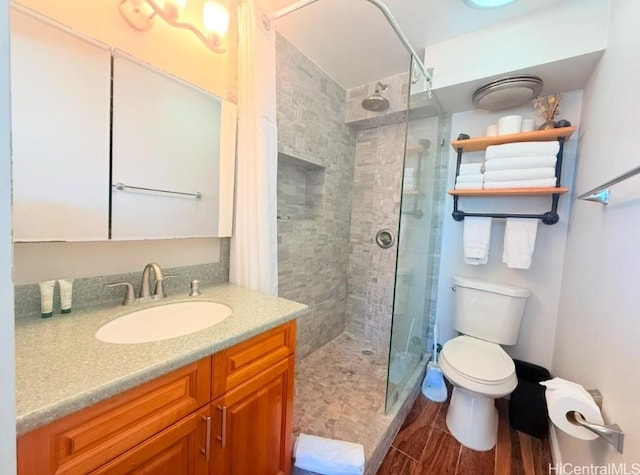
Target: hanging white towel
x: 470, y: 168
x: 469, y: 186
x: 472, y: 178
x: 540, y: 183
x: 476, y: 239
x: 516, y: 163
x: 522, y: 149
x: 521, y: 174
x: 519, y: 242
x: 328, y: 456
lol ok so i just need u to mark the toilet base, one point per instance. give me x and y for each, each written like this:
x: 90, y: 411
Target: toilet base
x: 473, y: 419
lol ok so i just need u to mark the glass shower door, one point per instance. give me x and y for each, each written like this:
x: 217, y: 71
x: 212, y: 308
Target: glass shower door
x: 418, y: 237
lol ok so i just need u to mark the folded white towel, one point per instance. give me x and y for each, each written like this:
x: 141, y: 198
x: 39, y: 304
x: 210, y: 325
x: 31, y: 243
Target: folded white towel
x: 469, y: 186
x: 328, y: 456
x: 470, y: 168
x: 522, y: 174
x: 476, y: 238
x: 522, y: 149
x: 472, y: 178
x: 516, y: 163
x: 540, y: 183
x: 519, y: 242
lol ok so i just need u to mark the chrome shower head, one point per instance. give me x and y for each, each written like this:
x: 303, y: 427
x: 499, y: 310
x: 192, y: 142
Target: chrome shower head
x: 375, y: 102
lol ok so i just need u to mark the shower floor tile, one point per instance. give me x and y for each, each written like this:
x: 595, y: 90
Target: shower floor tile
x: 340, y: 393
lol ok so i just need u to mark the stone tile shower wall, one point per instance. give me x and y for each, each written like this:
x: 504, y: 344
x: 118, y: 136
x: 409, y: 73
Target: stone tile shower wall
x: 315, y: 174
x: 377, y: 193
x: 376, y: 205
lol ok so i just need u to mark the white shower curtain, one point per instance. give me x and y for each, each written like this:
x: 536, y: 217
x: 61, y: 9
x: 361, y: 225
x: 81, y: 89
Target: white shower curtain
x: 254, y: 259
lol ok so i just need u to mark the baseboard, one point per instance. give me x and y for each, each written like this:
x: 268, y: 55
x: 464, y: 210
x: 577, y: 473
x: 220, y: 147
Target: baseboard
x: 556, y: 456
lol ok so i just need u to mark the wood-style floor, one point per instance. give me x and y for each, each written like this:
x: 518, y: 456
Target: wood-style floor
x: 425, y: 446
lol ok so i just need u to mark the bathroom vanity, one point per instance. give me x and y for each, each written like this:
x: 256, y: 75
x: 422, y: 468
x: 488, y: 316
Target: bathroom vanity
x: 217, y: 401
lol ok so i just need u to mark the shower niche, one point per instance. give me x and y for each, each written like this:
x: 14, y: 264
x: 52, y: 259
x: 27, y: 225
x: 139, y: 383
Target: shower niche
x: 300, y: 188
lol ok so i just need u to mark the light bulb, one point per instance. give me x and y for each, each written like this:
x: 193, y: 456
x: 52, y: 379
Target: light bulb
x: 173, y: 8
x: 215, y: 17
x: 488, y: 3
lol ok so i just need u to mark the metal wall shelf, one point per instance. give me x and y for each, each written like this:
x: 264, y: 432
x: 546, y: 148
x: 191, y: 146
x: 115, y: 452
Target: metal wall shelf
x: 479, y: 144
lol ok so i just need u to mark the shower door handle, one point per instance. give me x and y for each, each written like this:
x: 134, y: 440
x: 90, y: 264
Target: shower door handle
x: 385, y: 238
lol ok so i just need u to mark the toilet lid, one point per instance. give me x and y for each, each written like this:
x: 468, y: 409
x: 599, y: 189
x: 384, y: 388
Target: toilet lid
x: 477, y: 359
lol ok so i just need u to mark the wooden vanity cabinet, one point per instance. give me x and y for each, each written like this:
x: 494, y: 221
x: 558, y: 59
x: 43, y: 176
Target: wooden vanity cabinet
x: 230, y: 413
x: 253, y: 415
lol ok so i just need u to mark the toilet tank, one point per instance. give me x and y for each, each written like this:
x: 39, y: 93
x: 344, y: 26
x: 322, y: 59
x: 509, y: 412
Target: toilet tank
x: 487, y: 310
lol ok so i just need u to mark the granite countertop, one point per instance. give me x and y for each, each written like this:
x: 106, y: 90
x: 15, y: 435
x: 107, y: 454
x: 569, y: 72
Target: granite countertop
x: 61, y: 367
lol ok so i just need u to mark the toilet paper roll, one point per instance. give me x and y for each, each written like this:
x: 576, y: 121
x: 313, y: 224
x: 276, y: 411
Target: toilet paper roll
x: 563, y: 397
x: 509, y: 124
x: 528, y: 125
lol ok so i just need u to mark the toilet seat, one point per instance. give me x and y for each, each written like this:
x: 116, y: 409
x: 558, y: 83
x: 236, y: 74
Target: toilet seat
x: 479, y: 366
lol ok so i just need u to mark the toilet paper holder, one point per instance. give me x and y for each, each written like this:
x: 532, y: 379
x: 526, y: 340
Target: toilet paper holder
x: 612, y: 433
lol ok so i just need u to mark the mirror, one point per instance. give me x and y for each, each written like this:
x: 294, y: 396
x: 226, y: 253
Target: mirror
x: 87, y: 117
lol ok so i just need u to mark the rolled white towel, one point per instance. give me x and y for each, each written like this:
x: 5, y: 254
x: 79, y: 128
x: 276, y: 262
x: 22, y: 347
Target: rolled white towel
x: 470, y: 168
x: 521, y: 174
x: 515, y: 163
x: 474, y: 178
x: 468, y: 186
x: 541, y: 183
x: 522, y: 149
x: 328, y: 456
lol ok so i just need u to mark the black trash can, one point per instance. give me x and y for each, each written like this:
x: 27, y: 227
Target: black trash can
x: 528, y: 406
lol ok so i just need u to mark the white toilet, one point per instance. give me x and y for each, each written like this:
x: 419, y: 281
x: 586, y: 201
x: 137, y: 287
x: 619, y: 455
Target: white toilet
x: 487, y: 315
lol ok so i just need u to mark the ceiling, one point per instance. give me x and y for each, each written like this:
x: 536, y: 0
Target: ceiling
x: 353, y: 43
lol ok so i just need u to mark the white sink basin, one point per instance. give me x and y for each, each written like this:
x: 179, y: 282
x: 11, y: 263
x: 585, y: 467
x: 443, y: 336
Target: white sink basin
x: 163, y: 322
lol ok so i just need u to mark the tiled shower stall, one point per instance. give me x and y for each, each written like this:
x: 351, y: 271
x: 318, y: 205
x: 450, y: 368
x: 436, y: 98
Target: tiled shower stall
x: 340, y: 180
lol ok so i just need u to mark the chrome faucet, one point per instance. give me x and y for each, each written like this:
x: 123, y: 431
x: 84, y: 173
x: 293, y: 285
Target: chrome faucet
x: 145, y: 294
x: 145, y: 285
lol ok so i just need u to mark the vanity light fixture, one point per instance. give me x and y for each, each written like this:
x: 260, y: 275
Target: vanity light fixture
x: 488, y: 3
x: 140, y: 15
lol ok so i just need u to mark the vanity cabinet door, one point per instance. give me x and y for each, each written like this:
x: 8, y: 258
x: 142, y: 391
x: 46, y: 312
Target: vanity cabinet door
x: 60, y: 100
x: 177, y: 450
x: 252, y: 424
x: 169, y: 139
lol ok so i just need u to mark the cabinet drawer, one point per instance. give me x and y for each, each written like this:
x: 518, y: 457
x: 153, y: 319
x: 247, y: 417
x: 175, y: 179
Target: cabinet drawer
x: 243, y: 361
x: 87, y: 439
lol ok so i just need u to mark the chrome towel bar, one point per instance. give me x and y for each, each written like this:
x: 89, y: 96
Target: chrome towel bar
x: 600, y: 194
x: 122, y: 187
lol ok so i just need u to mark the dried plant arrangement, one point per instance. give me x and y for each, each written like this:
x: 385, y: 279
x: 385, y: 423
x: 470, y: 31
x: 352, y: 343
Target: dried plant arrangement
x: 548, y: 107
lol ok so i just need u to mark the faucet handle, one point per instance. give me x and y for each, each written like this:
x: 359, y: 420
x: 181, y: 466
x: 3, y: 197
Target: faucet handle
x: 130, y: 295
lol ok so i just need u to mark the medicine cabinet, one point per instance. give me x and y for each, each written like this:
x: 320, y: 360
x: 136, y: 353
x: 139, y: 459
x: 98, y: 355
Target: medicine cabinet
x: 108, y: 147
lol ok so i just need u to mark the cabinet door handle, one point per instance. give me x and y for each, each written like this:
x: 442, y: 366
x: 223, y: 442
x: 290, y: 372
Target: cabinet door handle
x: 207, y: 439
x: 223, y: 429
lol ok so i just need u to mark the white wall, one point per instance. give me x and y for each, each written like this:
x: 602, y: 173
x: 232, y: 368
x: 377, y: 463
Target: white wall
x: 39, y: 261
x: 598, y: 332
x: 7, y: 366
x: 535, y: 343
x: 571, y: 28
